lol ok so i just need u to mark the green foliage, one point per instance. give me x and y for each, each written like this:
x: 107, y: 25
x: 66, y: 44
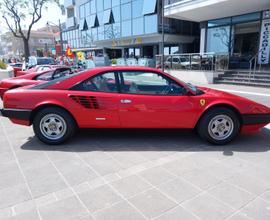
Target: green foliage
x: 114, y: 61
x: 3, y: 66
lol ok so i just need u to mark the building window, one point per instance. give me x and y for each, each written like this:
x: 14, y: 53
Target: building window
x: 116, y: 30
x: 126, y: 28
x: 101, y: 33
x: 246, y: 18
x: 108, y: 29
x: 93, y: 7
x: 107, y: 17
x: 218, y: 39
x: 115, y: 2
x: 125, y: 1
x: 100, y: 18
x: 82, y: 11
x: 137, y: 7
x: 94, y: 34
x: 107, y: 4
x: 126, y: 11
x: 70, y: 12
x: 99, y: 5
x: 87, y: 9
x: 82, y: 25
x: 150, y: 24
x: 116, y: 13
x: 219, y: 22
x: 137, y: 26
x: 149, y: 7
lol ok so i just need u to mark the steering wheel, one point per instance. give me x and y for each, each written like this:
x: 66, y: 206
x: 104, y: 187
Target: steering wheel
x: 90, y: 86
x: 167, y: 90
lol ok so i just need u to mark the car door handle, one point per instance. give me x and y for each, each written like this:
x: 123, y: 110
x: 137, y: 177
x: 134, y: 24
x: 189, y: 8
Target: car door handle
x: 125, y: 101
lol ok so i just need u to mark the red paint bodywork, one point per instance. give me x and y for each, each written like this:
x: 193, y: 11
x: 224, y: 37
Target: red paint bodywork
x: 145, y: 111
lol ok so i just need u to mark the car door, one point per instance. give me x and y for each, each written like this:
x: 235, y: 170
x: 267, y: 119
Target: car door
x: 152, y: 100
x: 95, y: 101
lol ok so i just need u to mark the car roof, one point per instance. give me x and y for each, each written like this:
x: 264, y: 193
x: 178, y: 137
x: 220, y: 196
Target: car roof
x: 66, y: 83
x: 115, y: 68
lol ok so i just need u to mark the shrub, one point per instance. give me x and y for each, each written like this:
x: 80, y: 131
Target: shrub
x: 114, y: 61
x: 3, y: 66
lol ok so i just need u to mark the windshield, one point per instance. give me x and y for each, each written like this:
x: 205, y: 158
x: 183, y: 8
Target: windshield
x: 42, y: 61
x: 192, y: 87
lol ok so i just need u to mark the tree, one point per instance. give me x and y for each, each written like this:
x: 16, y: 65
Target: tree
x: 23, y: 13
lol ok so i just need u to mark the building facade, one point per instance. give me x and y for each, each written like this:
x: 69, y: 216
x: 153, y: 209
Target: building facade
x: 239, y: 28
x: 41, y: 43
x: 126, y: 28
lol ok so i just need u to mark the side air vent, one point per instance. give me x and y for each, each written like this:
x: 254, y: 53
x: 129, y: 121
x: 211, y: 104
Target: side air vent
x: 89, y: 102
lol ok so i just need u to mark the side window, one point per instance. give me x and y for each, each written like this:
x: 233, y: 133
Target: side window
x: 61, y: 73
x: 46, y: 76
x: 175, y: 60
x: 105, y: 82
x: 148, y: 83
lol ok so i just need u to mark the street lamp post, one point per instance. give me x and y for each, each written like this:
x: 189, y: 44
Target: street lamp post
x: 60, y: 31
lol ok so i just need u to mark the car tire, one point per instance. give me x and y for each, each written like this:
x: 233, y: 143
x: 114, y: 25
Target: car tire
x: 219, y: 126
x: 53, y: 125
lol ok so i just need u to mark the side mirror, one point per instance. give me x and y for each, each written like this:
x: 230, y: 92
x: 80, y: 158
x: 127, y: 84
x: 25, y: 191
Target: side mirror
x: 186, y: 92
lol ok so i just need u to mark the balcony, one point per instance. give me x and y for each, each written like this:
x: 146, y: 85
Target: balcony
x: 69, y: 3
x: 203, y: 10
x: 70, y: 22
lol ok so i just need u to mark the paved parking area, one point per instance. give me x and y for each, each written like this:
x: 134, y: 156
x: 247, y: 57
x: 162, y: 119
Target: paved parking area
x: 130, y: 175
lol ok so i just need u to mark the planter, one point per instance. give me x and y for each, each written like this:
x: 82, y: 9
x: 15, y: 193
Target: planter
x: 7, y: 73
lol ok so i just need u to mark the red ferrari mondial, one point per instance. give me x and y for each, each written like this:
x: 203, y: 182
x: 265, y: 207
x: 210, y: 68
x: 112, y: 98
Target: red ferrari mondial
x: 131, y: 97
x: 33, y: 78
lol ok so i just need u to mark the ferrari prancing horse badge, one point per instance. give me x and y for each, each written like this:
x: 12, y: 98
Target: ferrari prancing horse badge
x: 202, y: 102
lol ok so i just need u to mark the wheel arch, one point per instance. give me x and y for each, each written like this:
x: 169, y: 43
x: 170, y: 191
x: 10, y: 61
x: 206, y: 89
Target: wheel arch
x: 224, y: 105
x: 48, y: 105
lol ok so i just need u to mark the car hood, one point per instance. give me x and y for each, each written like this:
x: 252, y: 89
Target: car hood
x: 245, y: 105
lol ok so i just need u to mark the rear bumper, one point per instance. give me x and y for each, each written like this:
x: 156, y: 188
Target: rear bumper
x: 20, y: 114
x: 253, y: 119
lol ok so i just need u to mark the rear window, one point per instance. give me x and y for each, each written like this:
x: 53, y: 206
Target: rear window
x: 46, y: 84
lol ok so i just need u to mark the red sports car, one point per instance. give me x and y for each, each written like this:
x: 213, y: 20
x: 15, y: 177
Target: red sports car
x: 33, y: 78
x: 131, y: 97
x: 40, y: 68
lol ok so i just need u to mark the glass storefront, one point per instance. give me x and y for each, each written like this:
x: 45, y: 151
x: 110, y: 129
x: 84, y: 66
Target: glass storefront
x: 218, y: 39
x: 234, y: 35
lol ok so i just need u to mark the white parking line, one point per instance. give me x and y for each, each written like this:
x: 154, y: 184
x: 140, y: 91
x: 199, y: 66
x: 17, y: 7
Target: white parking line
x: 243, y: 92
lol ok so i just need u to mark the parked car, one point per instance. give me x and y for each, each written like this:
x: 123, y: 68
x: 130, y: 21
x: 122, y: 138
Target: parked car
x: 34, y: 61
x: 131, y: 97
x: 178, y: 62
x: 39, y: 68
x: 16, y: 67
x: 33, y: 78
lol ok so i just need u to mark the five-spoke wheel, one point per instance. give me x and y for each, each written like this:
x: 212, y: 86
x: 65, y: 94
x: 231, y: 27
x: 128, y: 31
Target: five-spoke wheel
x: 219, y: 125
x: 53, y: 125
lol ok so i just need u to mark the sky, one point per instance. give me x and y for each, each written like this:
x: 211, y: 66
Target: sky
x: 52, y: 14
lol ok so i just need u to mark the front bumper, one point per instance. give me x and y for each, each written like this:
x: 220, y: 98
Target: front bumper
x: 252, y: 119
x: 20, y: 114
